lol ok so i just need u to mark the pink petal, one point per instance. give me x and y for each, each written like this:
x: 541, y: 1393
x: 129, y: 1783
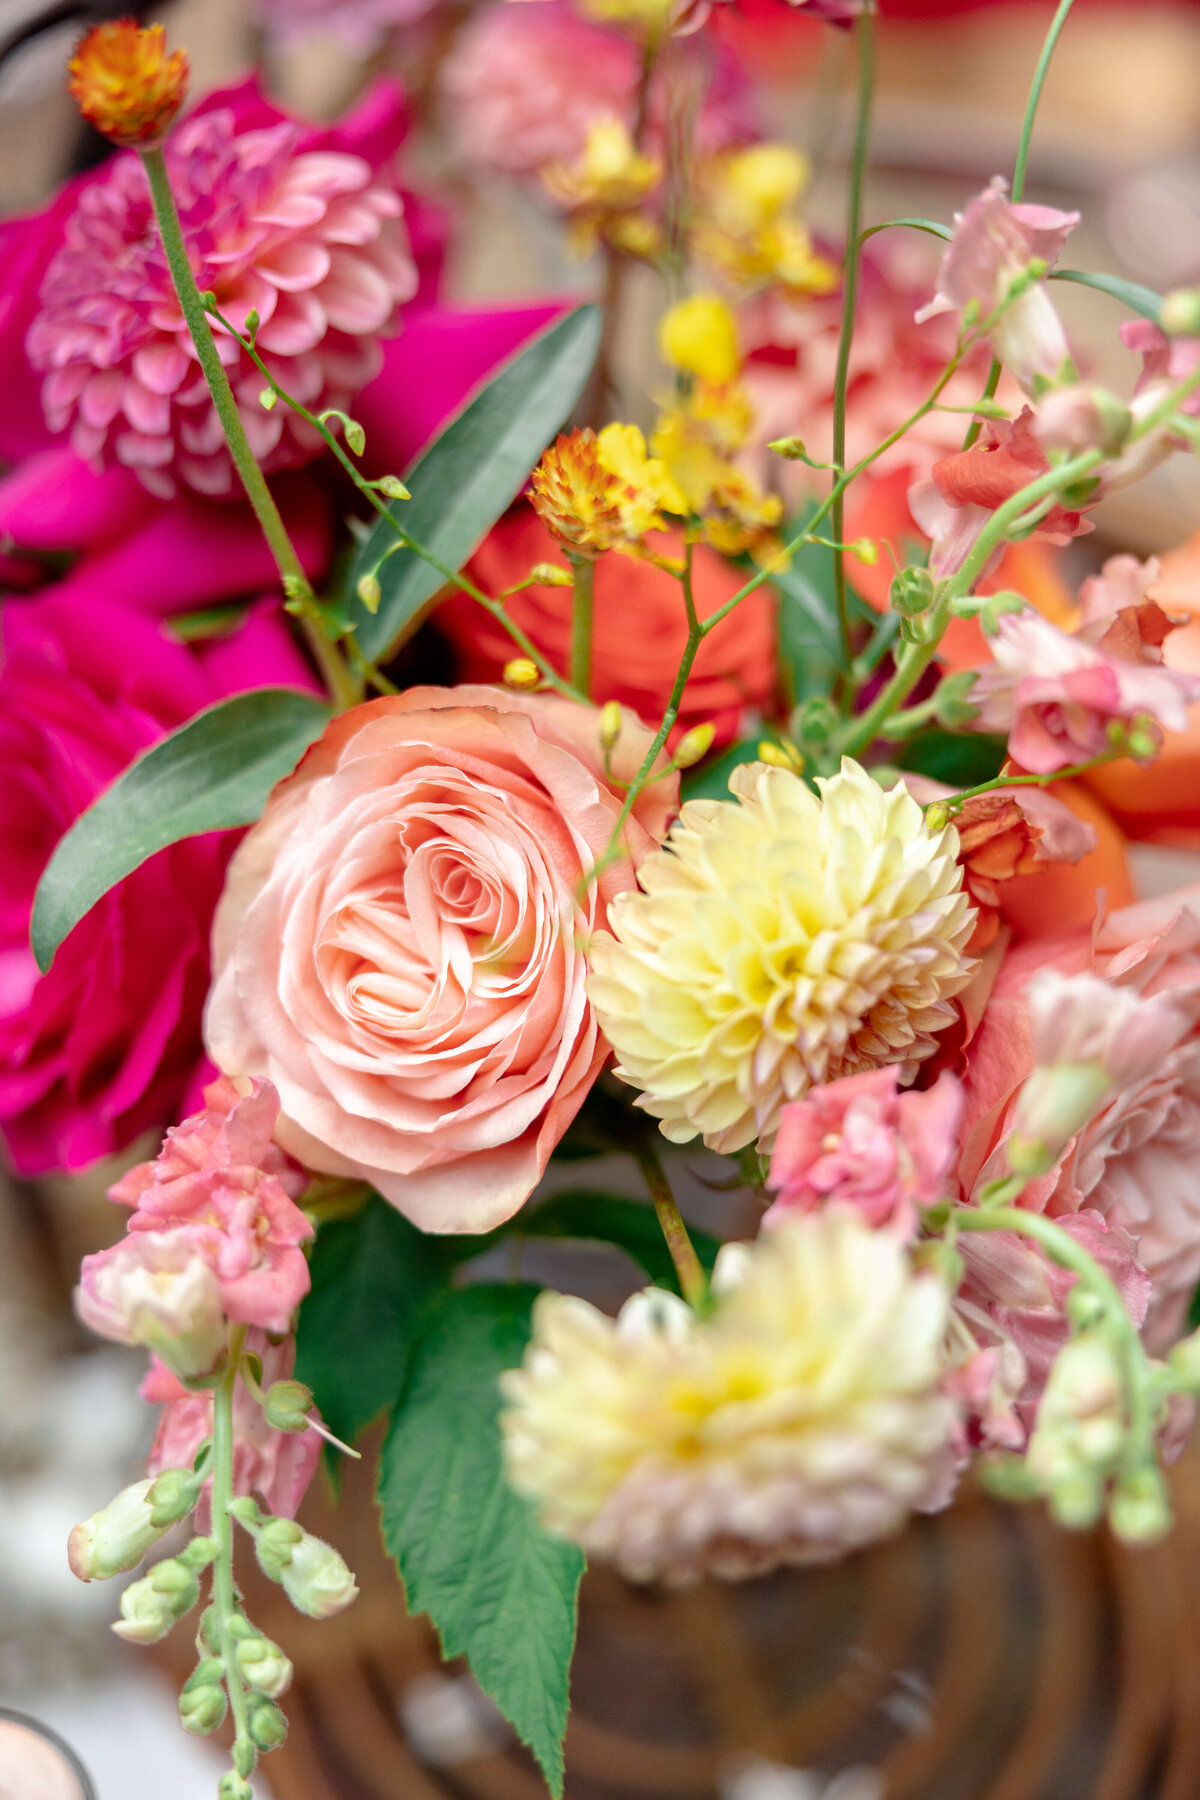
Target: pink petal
x: 146, y: 411
x: 356, y: 297
x: 161, y: 367
x: 100, y: 401
x: 294, y: 265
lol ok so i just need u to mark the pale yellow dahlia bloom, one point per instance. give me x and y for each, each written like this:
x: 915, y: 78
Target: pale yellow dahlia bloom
x: 781, y: 940
x: 802, y: 1419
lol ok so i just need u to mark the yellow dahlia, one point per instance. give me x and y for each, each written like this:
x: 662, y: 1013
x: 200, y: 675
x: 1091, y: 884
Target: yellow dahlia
x: 780, y: 940
x: 803, y: 1418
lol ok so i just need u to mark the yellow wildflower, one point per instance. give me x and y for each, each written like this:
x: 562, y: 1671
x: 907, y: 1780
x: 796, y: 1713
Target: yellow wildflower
x: 647, y: 489
x: 748, y: 228
x: 125, y: 84
x: 781, y: 939
x: 699, y: 337
x: 605, y: 188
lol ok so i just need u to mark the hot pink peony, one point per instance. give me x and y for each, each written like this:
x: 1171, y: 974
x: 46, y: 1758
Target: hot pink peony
x: 1058, y: 696
x: 1134, y: 1164
x: 863, y: 1142
x: 277, y: 1466
x: 995, y: 242
x: 308, y: 238
x: 400, y: 946
x: 104, y: 1046
x: 221, y: 1183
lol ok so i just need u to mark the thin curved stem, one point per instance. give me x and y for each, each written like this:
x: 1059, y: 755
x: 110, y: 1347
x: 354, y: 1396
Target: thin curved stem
x: 692, y: 1280
x: 224, y: 1593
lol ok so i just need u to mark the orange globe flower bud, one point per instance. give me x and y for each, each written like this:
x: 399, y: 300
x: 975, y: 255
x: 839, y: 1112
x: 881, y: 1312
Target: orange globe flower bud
x: 125, y: 84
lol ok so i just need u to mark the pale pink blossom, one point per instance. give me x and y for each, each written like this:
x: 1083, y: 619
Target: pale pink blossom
x: 863, y: 1142
x: 156, y: 1288
x: 310, y: 239
x: 988, y: 1384
x: 1058, y: 697
x: 359, y: 25
x: 524, y: 83
x: 222, y: 1184
x: 277, y: 1466
x: 994, y: 244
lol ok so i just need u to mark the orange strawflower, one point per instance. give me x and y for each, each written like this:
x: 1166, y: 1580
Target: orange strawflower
x: 125, y: 84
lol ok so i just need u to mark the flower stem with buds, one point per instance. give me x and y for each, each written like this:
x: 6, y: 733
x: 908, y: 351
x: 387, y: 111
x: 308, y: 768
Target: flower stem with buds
x: 224, y: 1594
x: 342, y: 685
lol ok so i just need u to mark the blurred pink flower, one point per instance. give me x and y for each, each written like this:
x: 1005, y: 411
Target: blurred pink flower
x: 995, y: 241
x: 360, y: 25
x: 1134, y: 1163
x: 104, y: 1045
x: 277, y: 1466
x: 309, y: 238
x: 1058, y: 696
x: 963, y: 490
x: 221, y: 1181
x: 524, y: 82
x: 862, y: 1142
x: 158, y: 1289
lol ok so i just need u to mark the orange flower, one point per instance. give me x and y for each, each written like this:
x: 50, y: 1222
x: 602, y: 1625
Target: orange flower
x: 576, y: 495
x: 125, y: 84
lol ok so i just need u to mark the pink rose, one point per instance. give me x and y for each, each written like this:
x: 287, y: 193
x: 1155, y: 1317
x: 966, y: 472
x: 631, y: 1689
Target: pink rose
x: 104, y: 1046
x: 222, y: 1184
x: 400, y: 946
x: 277, y: 1466
x: 863, y: 1142
x: 1134, y: 1164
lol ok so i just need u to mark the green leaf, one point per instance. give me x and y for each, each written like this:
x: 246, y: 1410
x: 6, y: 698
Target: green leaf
x: 213, y: 773
x: 1138, y: 299
x: 596, y: 1216
x: 470, y: 473
x: 961, y: 760
x: 931, y: 225
x: 373, y: 1278
x: 810, y: 638
x: 710, y: 780
x: 471, y: 1553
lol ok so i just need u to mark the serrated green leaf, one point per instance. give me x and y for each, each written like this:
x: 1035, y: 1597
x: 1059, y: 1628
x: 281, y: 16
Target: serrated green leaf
x: 501, y: 1591
x: 1138, y: 299
x: 373, y: 1278
x: 470, y: 473
x: 215, y: 772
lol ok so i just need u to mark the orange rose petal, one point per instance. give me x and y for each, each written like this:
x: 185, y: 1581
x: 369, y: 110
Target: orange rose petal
x: 1061, y: 896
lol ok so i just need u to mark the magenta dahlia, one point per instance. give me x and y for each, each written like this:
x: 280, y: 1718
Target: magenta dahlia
x: 312, y: 239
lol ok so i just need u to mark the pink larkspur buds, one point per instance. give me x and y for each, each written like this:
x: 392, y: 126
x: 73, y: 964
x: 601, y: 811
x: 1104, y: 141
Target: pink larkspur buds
x: 861, y: 1141
x: 995, y: 245
x: 155, y: 1289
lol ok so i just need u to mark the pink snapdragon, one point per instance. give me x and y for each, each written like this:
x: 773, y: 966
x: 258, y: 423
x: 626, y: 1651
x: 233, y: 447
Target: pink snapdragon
x: 863, y: 1142
x: 221, y: 1183
x: 995, y: 244
x: 1060, y: 698
x: 311, y: 239
x: 277, y: 1466
x: 157, y: 1289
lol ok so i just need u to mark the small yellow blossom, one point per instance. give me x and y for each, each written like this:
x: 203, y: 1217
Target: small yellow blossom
x: 605, y: 188
x: 699, y: 337
x: 695, y: 441
x: 780, y: 939
x: 647, y: 487
x: 125, y: 84
x: 804, y: 1417
x: 747, y: 227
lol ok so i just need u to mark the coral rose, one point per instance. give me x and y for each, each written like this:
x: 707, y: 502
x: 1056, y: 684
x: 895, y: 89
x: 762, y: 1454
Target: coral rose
x: 639, y: 632
x: 1134, y: 1163
x: 400, y: 945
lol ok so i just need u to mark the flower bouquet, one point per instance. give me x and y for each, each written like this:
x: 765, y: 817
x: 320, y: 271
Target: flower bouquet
x: 741, y: 823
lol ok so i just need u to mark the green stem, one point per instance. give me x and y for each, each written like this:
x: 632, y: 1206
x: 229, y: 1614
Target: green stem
x: 583, y: 577
x: 692, y: 1279
x: 224, y: 1593
x: 1020, y: 166
x: 955, y: 802
x: 865, y: 36
x: 342, y: 686
x: 903, y: 724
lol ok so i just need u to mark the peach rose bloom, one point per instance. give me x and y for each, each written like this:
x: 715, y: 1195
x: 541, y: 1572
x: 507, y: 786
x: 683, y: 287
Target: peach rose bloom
x: 1135, y: 1163
x: 400, y: 944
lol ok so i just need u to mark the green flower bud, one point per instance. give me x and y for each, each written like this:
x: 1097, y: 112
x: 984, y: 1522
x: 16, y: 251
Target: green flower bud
x: 393, y: 488
x: 1184, y: 1360
x: 315, y: 1578
x: 116, y: 1538
x: 1179, y: 314
x: 287, y: 1404
x: 150, y: 1607
x: 911, y: 592
x: 233, y: 1786
x: 265, y: 1667
x: 694, y: 744
x: 268, y: 1727
x: 369, y: 592
x: 1140, y: 1512
x: 550, y: 575
x: 1078, y: 1501
x: 790, y: 447
x: 813, y: 724
x: 953, y: 707
x: 173, y: 1495
x: 202, y: 1708
x: 356, y: 437
x: 198, y: 1554
x: 275, y: 1545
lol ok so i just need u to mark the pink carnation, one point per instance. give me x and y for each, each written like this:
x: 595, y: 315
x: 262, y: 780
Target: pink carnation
x: 104, y: 1046
x: 277, y: 1466
x: 309, y: 238
x: 1134, y: 1163
x: 863, y: 1142
x: 1057, y: 696
x: 994, y: 242
x: 221, y: 1182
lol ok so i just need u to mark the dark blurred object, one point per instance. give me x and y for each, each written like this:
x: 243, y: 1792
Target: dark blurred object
x: 984, y: 1655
